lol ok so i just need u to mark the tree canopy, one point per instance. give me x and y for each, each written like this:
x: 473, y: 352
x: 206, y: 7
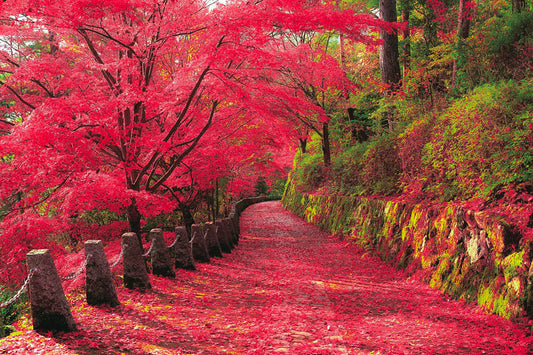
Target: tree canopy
x: 133, y: 107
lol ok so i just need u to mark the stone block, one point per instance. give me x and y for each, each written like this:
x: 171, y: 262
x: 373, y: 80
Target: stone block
x: 224, y: 239
x: 161, y: 261
x: 50, y: 310
x: 99, y: 285
x: 182, y: 250
x: 213, y: 245
x: 200, y: 252
x: 231, y: 231
x: 135, y: 273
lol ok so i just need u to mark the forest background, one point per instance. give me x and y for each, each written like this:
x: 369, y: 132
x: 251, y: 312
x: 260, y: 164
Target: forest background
x: 129, y: 115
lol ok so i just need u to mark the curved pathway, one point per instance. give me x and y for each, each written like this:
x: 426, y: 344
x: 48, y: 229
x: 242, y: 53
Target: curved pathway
x: 332, y: 299
x: 288, y: 288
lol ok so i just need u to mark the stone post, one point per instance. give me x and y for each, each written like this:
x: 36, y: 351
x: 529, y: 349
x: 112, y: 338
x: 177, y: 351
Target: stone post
x: 229, y: 232
x: 199, y: 245
x: 99, y: 285
x: 223, y: 238
x: 161, y: 261
x: 213, y: 245
x: 135, y: 274
x: 50, y: 310
x: 234, y: 227
x: 182, y: 250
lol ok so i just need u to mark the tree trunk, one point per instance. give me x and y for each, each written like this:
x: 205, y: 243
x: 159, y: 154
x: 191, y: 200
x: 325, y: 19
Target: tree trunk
x: 188, y: 218
x: 217, y: 204
x: 325, y: 144
x: 406, y: 55
x: 389, y: 55
x: 463, y: 29
x: 518, y: 5
x: 303, y: 145
x: 134, y: 220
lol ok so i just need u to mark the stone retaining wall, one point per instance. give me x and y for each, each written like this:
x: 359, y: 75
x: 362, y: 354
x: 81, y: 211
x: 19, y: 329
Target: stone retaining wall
x: 474, y: 256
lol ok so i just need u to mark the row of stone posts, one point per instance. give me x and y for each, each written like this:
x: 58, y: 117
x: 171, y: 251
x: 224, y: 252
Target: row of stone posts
x: 49, y: 308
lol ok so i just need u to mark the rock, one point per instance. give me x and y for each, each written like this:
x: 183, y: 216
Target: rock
x: 460, y: 219
x: 476, y: 245
x: 200, y: 252
x: 470, y: 219
x: 182, y: 250
x: 50, y: 310
x: 135, y: 273
x: 213, y: 245
x: 234, y: 218
x: 505, y: 237
x: 230, y: 230
x: 161, y: 261
x: 224, y: 239
x: 99, y: 285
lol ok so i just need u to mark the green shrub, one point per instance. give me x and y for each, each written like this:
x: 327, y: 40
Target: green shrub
x: 481, y: 142
x: 309, y: 170
x: 509, y: 45
x: 346, y: 170
x: 411, y: 143
x: 381, y: 166
x: 9, y: 314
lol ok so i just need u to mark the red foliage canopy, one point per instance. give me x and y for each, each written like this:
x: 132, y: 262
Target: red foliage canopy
x: 109, y: 104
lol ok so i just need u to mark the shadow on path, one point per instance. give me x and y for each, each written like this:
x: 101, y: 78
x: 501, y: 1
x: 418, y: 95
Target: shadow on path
x: 287, y: 288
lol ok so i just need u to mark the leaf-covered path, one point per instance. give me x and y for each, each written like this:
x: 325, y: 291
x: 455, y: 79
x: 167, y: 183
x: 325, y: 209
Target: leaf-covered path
x: 287, y: 288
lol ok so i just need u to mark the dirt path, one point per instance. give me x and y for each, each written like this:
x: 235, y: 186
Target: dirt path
x: 287, y: 288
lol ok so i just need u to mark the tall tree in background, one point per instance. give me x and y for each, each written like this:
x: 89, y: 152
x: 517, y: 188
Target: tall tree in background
x: 464, y: 18
x: 406, y: 32
x: 389, y: 54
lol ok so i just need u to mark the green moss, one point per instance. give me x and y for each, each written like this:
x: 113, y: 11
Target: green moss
x: 415, y: 216
x: 486, y: 297
x: 511, y: 264
x: 442, y: 271
x: 415, y: 238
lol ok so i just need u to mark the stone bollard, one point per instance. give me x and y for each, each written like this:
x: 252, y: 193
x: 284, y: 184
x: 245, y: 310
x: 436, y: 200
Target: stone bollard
x: 234, y: 223
x: 213, y: 245
x: 135, y: 274
x: 229, y: 232
x: 50, y: 310
x: 99, y: 285
x: 223, y: 237
x: 161, y: 261
x: 199, y: 245
x: 182, y: 250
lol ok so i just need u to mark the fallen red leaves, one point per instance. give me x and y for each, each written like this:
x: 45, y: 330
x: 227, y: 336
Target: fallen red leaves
x: 287, y: 288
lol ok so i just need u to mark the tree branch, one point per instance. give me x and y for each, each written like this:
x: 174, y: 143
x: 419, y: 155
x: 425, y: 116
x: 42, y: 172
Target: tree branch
x: 111, y: 81
x: 18, y: 96
x: 165, y: 176
x: 6, y: 122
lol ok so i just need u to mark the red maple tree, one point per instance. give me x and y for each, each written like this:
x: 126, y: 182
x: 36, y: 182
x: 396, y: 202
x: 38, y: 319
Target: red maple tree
x: 112, y: 105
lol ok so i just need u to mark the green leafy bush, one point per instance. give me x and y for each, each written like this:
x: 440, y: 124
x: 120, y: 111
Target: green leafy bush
x: 381, y: 166
x: 309, y: 170
x: 483, y: 141
x: 509, y: 45
x: 411, y: 142
x: 346, y: 170
x: 9, y: 314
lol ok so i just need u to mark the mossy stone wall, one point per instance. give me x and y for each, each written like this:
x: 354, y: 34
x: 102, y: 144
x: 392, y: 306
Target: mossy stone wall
x: 471, y: 255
